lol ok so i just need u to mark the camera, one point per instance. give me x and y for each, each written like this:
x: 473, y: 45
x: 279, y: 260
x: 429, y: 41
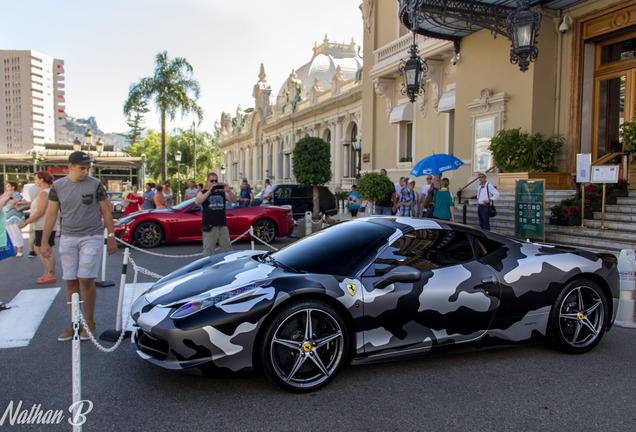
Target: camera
x: 565, y: 24
x: 218, y: 186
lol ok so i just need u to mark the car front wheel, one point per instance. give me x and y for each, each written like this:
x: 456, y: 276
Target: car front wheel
x: 579, y: 317
x: 304, y: 346
x: 148, y: 235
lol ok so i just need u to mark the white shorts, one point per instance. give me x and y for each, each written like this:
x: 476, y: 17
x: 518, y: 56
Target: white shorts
x: 81, y: 256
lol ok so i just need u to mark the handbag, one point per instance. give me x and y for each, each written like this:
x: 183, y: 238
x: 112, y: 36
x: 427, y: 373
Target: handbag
x: 492, y: 210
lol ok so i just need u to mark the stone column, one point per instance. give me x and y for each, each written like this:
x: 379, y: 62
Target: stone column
x: 338, y: 156
x: 275, y: 158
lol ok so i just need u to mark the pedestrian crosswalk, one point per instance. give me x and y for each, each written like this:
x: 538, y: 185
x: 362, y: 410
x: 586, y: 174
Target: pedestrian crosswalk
x: 19, y: 324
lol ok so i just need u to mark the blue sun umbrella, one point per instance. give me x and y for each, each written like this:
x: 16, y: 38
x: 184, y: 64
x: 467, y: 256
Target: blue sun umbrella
x: 436, y: 164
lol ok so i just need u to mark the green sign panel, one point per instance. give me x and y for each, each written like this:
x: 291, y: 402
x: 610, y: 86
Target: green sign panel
x: 530, y: 209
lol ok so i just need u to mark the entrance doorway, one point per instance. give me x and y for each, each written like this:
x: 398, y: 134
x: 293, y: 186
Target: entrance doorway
x: 614, y: 91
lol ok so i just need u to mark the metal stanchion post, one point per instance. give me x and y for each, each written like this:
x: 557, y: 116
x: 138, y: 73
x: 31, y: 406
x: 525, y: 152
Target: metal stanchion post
x: 113, y: 335
x: 252, y: 236
x: 104, y: 283
x: 76, y: 373
x: 308, y: 229
x: 627, y: 274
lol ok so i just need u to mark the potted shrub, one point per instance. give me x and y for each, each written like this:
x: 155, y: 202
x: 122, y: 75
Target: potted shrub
x: 374, y: 187
x: 558, y: 212
x: 620, y: 189
x: 627, y: 133
x: 519, y: 155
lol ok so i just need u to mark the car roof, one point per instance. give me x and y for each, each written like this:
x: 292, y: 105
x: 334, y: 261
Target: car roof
x: 407, y: 224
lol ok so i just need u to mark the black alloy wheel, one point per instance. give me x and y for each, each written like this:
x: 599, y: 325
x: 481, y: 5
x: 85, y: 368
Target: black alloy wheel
x: 304, y: 346
x: 148, y: 235
x: 579, y: 317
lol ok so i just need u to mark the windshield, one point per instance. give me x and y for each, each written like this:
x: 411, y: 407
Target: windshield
x: 183, y: 204
x: 343, y: 249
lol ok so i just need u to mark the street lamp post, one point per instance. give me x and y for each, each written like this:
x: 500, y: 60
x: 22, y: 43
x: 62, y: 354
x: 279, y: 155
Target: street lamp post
x: 177, y: 157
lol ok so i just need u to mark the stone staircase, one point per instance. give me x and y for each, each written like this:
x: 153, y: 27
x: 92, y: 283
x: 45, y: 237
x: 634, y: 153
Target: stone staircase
x: 619, y: 232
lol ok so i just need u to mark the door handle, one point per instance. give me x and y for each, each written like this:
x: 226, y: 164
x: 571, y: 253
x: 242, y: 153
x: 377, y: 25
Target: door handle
x: 489, y: 280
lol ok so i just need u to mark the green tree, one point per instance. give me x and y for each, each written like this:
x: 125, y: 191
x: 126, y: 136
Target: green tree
x: 311, y: 165
x: 135, y: 121
x: 208, y: 156
x: 151, y: 147
x: 171, y: 86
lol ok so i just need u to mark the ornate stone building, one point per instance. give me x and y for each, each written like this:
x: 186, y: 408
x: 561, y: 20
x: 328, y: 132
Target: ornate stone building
x: 581, y: 87
x: 321, y: 98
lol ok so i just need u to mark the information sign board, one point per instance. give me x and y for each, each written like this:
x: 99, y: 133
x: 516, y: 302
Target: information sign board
x: 605, y: 174
x: 530, y: 209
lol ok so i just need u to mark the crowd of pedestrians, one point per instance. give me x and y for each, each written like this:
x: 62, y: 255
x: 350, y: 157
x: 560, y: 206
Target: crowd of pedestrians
x: 434, y: 200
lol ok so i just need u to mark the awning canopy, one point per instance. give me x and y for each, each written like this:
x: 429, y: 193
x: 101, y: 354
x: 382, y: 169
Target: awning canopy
x: 454, y: 19
x: 402, y: 113
x: 447, y: 101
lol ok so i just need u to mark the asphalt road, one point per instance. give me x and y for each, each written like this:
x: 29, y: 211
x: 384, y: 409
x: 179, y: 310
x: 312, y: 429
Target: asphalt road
x: 521, y: 388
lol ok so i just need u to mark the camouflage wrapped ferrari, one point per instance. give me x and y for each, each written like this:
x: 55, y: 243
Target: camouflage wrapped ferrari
x: 369, y: 290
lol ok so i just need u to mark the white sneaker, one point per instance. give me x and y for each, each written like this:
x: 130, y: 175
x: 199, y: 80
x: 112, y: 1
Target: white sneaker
x: 19, y: 254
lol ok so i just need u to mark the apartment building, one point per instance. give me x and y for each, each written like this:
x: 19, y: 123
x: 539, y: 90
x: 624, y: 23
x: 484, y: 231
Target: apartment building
x: 31, y: 99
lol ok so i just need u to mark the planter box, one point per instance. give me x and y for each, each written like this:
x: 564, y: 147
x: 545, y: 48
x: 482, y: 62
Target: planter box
x: 553, y: 180
x: 301, y: 228
x: 619, y: 193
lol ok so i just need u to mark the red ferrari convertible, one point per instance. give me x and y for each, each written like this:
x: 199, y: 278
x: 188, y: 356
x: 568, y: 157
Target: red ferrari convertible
x: 181, y: 223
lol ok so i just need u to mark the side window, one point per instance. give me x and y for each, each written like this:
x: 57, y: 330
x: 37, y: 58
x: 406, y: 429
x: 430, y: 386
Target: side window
x: 484, y: 246
x: 425, y: 250
x: 283, y: 192
x: 299, y: 192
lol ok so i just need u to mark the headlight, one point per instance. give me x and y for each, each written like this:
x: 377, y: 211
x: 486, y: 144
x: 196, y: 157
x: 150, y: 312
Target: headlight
x: 198, y: 305
x: 124, y: 222
x: 118, y: 207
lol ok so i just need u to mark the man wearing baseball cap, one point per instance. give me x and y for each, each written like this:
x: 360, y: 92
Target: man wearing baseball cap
x: 79, y: 198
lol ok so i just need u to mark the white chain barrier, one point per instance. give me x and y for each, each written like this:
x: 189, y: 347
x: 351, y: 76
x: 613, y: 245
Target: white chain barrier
x: 120, y: 324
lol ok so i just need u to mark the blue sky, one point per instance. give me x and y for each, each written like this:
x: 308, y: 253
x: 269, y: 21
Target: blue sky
x: 108, y: 45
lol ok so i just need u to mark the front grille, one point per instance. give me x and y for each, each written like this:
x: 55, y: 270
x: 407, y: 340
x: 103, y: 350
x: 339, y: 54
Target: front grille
x: 152, y: 346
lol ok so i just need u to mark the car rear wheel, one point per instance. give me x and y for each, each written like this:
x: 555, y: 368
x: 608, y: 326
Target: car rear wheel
x: 579, y: 317
x: 304, y: 346
x: 148, y: 235
x: 265, y: 230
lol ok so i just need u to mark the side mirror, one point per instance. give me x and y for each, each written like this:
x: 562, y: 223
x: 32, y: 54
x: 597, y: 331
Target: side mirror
x: 398, y: 274
x: 193, y: 209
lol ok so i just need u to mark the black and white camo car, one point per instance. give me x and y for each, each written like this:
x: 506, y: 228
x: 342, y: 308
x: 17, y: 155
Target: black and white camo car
x: 369, y: 290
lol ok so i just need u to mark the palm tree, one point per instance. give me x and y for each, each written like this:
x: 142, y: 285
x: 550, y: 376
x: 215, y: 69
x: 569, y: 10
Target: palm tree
x: 170, y: 86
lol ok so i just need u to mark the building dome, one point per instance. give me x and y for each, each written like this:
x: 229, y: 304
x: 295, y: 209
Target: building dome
x: 327, y: 57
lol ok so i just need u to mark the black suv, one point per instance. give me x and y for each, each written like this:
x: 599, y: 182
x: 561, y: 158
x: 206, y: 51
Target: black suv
x: 301, y: 199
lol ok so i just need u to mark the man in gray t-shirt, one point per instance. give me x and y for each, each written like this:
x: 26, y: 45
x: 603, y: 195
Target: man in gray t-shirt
x: 79, y: 198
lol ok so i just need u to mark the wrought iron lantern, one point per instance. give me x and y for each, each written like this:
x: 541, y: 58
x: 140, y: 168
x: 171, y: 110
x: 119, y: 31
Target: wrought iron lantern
x: 523, y: 26
x: 77, y: 144
x: 88, y: 136
x: 99, y: 146
x: 413, y: 70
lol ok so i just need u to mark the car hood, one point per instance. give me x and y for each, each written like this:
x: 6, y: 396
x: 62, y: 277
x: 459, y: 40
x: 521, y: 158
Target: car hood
x: 210, y: 277
x: 132, y: 215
